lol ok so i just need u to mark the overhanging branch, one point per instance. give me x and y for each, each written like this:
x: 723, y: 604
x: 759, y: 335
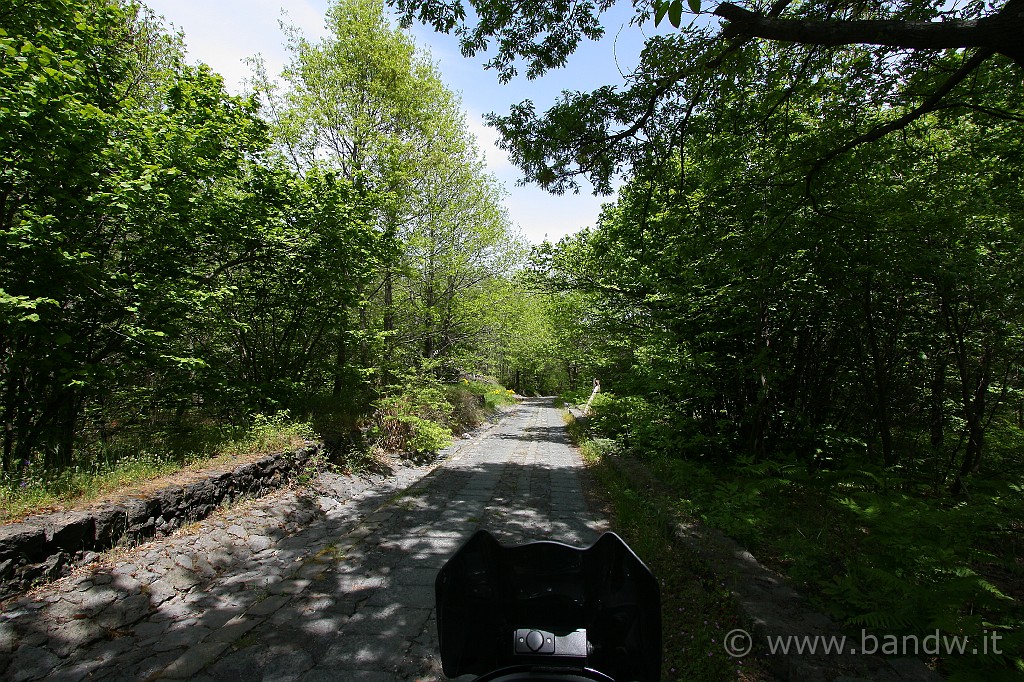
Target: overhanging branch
x: 1000, y: 32
x: 930, y: 104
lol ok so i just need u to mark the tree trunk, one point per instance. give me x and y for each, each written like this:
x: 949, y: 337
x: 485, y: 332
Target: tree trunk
x: 936, y: 410
x: 879, y: 383
x: 974, y: 414
x: 61, y: 438
x: 389, y: 313
x: 973, y: 391
x: 340, y: 359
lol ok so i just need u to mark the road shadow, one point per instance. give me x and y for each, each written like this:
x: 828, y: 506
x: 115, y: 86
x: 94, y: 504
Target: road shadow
x: 332, y: 582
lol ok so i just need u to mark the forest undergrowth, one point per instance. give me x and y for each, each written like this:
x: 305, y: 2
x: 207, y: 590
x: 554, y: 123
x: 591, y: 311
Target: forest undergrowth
x: 414, y: 424
x: 871, y: 547
x: 697, y: 608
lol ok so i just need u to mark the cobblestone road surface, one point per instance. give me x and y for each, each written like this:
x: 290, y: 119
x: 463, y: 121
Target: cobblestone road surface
x: 334, y: 582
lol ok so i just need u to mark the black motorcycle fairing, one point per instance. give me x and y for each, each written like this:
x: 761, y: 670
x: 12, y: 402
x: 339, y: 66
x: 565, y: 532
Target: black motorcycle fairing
x: 487, y: 591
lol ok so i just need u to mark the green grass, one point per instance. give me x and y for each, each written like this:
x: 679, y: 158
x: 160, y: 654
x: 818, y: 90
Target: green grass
x: 871, y: 554
x: 889, y: 550
x: 131, y: 460
x: 135, y: 456
x: 696, y: 608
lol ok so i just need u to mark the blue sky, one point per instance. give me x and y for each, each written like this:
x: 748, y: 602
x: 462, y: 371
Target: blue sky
x: 223, y: 33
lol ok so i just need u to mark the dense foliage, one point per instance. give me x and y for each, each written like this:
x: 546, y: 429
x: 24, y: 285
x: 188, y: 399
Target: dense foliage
x: 918, y: 57
x: 826, y: 346
x: 176, y: 259
x: 806, y: 300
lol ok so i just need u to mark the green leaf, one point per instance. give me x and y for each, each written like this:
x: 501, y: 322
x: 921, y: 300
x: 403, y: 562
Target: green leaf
x: 694, y: 6
x: 660, y: 8
x: 675, y: 13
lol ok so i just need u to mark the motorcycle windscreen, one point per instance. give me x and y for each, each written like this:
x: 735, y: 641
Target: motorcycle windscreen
x: 487, y: 593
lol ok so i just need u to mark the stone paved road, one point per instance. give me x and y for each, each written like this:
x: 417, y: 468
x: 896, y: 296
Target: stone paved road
x: 330, y: 583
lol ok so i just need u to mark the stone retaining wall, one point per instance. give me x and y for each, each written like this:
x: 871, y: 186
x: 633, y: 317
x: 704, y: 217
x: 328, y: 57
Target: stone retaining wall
x: 46, y: 547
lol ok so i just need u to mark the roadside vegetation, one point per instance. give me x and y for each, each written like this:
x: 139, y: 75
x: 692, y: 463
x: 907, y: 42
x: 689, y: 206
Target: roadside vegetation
x: 866, y: 548
x: 128, y: 462
x: 187, y: 273
x: 415, y: 426
x: 697, y: 609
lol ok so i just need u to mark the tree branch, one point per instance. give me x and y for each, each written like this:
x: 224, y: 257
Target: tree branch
x: 777, y: 8
x: 1000, y: 32
x: 930, y: 104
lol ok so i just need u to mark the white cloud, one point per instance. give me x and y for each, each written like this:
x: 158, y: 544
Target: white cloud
x: 546, y: 216
x: 224, y: 33
x: 487, y: 139
x: 540, y: 215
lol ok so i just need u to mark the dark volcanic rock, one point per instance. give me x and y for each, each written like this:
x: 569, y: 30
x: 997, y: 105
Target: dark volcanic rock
x: 46, y: 547
x: 110, y: 524
x: 69, y: 532
x: 22, y: 541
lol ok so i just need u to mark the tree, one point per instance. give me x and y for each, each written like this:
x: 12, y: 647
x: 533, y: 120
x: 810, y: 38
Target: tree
x: 459, y: 241
x: 167, y: 263
x: 766, y: 325
x: 995, y: 33
x: 351, y: 106
x: 74, y: 103
x: 266, y: 338
x: 366, y: 104
x: 142, y: 209
x: 908, y: 51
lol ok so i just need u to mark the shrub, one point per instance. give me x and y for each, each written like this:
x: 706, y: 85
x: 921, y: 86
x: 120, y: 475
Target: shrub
x: 412, y: 420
